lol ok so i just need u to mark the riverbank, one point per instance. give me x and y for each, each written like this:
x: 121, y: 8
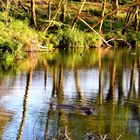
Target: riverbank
x: 56, y: 25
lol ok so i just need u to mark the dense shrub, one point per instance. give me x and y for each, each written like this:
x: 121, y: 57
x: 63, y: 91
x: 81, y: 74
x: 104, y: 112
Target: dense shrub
x: 15, y: 38
x: 77, y: 38
x: 71, y: 38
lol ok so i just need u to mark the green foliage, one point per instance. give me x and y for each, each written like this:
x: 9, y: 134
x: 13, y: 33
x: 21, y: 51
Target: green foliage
x: 133, y: 37
x: 23, y: 34
x: 117, y: 25
x: 71, y: 38
x: 8, y: 44
x: 82, y: 27
x: 92, y: 40
x: 76, y: 38
x: 19, y: 14
x: 138, y: 36
x: 106, y: 25
x: 52, y: 40
x: 8, y: 57
x: 122, y: 2
x: 117, y: 34
x: 15, y: 38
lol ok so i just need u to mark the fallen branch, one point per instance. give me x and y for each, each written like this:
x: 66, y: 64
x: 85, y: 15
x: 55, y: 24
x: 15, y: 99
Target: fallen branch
x: 103, y: 137
x: 65, y: 133
x: 119, y: 137
x: 112, y: 39
x: 94, y: 31
x: 123, y: 40
x: 111, y: 13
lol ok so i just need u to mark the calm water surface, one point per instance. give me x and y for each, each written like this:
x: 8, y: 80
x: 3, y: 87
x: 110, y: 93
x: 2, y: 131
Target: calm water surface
x: 46, y: 95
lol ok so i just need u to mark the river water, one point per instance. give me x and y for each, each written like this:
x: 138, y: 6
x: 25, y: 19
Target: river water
x: 46, y: 96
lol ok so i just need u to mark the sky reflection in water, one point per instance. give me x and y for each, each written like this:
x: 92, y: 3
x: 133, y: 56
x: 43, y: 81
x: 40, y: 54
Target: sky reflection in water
x: 108, y: 81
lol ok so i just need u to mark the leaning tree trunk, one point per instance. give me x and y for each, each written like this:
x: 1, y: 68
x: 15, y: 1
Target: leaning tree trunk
x: 33, y: 15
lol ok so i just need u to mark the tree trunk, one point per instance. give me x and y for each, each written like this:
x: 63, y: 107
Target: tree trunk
x: 76, y: 18
x: 33, y: 15
x: 115, y: 5
x: 103, y: 13
x: 63, y: 13
x: 49, y: 10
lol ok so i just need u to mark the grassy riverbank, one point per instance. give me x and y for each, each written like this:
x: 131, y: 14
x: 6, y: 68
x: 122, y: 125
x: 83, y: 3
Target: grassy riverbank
x: 54, y: 28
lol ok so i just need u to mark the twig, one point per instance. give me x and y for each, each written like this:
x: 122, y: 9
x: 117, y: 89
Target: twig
x: 66, y: 134
x: 51, y: 21
x: 73, y: 130
x: 104, y: 137
x: 119, y: 137
x: 112, y: 39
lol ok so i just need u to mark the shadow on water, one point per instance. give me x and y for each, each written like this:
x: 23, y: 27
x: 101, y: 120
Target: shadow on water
x: 75, y: 94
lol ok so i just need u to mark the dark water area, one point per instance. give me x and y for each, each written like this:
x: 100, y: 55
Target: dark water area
x: 46, y: 96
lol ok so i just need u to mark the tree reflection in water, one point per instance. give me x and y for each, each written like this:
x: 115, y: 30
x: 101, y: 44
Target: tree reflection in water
x: 25, y: 101
x: 97, y: 79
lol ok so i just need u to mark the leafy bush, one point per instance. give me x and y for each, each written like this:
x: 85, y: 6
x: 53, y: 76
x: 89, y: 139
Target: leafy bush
x: 92, y: 40
x: 71, y: 38
x: 8, y: 44
x: 76, y: 38
x: 133, y: 38
x: 15, y: 38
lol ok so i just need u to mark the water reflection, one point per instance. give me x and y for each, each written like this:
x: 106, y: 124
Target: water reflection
x: 65, y: 84
x: 29, y: 77
x: 80, y: 95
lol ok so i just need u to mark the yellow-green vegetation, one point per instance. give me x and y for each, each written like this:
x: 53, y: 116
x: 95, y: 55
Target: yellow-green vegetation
x: 16, y: 37
x: 35, y: 25
x: 76, y: 38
